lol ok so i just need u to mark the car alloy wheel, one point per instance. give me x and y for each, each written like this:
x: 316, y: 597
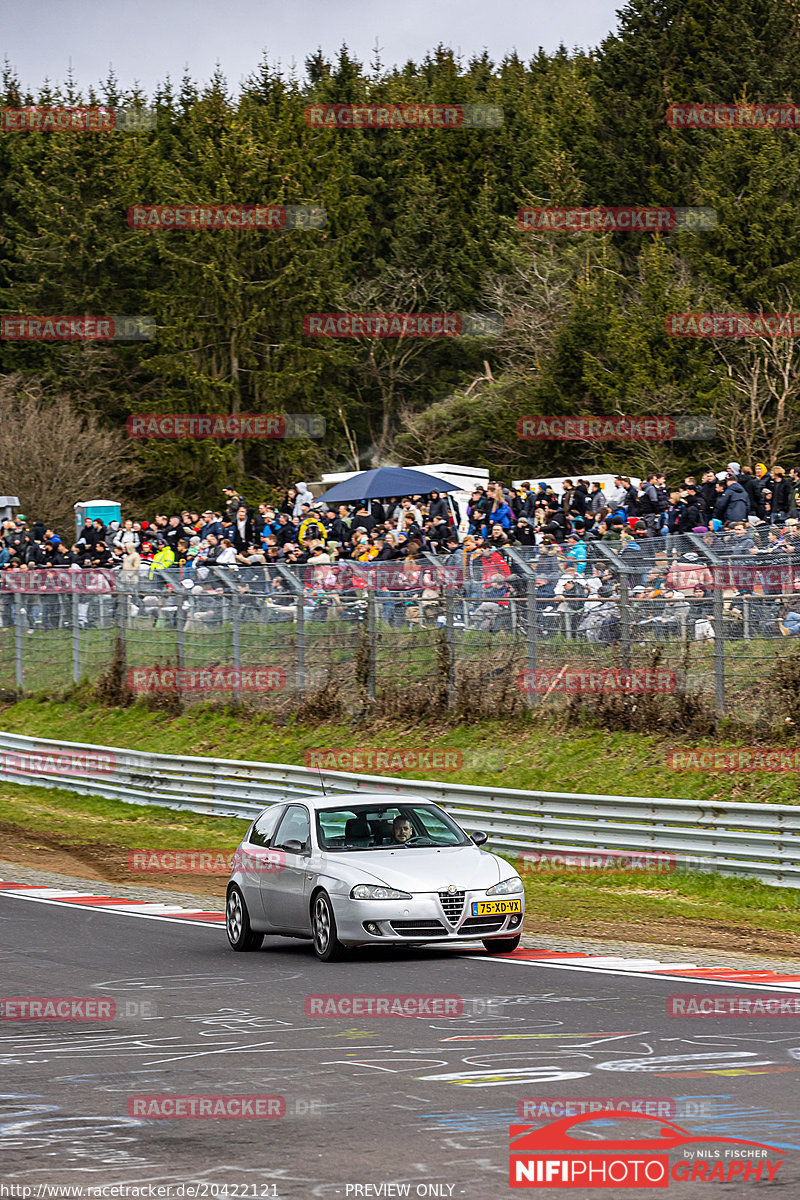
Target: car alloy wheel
x: 323, y: 928
x: 237, y: 923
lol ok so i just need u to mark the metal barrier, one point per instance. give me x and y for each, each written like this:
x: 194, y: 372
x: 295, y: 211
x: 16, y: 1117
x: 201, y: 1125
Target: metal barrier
x: 757, y: 840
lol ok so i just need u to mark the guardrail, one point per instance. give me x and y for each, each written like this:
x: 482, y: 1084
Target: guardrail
x: 757, y: 840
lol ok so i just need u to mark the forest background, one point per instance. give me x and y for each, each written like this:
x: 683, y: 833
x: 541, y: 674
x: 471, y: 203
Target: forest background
x: 417, y: 221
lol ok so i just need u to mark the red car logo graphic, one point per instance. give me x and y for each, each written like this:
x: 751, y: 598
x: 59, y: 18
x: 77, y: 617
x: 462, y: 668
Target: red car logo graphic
x: 554, y: 1138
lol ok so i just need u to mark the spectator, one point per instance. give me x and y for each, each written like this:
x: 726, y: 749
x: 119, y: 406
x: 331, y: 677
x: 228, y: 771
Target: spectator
x: 576, y: 550
x: 302, y: 496
x: 782, y: 498
x: 733, y: 505
x: 242, y: 531
x: 495, y: 602
x: 227, y: 553
x: 500, y: 513
x: 126, y: 533
x: 653, y: 501
x: 438, y: 509
x: 598, y: 502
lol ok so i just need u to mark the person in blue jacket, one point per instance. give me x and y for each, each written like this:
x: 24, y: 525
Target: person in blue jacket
x: 501, y: 513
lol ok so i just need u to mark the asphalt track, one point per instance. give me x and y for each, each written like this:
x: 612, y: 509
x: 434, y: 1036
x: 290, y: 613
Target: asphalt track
x: 370, y: 1102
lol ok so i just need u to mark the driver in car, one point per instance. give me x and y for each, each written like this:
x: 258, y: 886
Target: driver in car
x: 402, y: 830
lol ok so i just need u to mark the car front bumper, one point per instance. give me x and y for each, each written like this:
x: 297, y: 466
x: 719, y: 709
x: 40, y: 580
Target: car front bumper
x: 422, y: 919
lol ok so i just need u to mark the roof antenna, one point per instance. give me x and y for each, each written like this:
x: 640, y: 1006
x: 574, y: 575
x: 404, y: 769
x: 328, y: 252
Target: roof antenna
x: 321, y: 781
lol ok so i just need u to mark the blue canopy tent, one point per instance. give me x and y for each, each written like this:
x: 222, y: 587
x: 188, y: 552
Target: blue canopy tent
x: 384, y: 482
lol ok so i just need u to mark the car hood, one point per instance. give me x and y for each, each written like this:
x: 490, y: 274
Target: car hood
x: 421, y: 868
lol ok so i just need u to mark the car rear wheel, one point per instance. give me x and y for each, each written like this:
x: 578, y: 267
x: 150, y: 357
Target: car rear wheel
x: 237, y: 923
x: 327, y: 946
x: 501, y: 945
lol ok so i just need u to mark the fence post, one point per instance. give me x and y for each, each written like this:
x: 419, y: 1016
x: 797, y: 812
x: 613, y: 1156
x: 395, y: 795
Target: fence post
x: 122, y: 630
x: 450, y: 638
x: 18, y: 638
x: 371, y: 643
x: 300, y: 677
x: 624, y: 621
x: 719, y: 654
x: 533, y: 640
x: 180, y: 634
x: 76, y: 639
x: 236, y: 609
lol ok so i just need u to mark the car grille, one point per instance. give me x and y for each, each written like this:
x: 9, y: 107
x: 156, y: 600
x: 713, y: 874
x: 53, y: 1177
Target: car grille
x: 482, y: 925
x: 418, y: 928
x: 453, y: 905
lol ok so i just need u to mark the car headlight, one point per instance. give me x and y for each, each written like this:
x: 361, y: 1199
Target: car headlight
x: 372, y: 891
x: 505, y: 887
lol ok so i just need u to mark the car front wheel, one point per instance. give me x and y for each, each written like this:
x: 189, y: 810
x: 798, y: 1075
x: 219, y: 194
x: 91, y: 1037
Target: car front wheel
x: 237, y: 923
x: 501, y: 945
x: 327, y: 946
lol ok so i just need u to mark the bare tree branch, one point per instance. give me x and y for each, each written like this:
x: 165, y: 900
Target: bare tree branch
x: 52, y: 455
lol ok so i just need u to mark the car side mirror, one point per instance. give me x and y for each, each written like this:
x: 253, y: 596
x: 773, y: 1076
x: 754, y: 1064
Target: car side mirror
x: 479, y: 837
x: 293, y: 846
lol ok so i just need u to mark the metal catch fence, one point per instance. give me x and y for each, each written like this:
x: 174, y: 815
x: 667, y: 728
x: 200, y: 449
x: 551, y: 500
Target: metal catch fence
x: 706, y: 615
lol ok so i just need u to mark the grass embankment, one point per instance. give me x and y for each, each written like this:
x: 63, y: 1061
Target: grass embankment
x: 536, y: 753
x: 85, y: 835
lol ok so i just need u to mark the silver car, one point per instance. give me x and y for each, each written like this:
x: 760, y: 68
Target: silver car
x: 369, y: 870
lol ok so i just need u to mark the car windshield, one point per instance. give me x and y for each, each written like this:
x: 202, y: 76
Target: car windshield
x: 386, y: 826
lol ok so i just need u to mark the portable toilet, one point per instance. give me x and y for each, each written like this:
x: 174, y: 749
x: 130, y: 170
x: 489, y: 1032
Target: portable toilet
x: 7, y: 505
x: 90, y: 510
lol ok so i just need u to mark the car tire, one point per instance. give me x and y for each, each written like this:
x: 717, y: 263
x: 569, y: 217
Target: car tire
x: 327, y: 946
x: 501, y: 945
x: 237, y: 923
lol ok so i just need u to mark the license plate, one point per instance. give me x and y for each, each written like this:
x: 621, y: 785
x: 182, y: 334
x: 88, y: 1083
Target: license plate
x: 481, y: 908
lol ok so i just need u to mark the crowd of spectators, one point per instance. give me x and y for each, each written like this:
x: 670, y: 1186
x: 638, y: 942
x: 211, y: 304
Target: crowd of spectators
x: 738, y: 511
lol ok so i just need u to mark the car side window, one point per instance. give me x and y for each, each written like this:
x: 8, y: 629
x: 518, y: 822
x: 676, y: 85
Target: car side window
x: 264, y: 828
x: 294, y: 827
